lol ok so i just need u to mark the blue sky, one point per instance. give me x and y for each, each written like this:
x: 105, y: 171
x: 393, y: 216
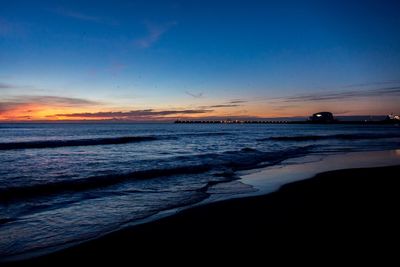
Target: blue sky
x: 83, y: 57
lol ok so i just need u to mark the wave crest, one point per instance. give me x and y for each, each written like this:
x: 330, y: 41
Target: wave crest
x: 246, y: 158
x: 330, y: 137
x: 78, y: 142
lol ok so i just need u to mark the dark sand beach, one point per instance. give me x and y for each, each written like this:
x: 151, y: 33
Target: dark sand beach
x: 353, y: 207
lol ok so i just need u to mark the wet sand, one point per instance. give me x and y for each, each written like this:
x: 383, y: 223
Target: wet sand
x: 354, y: 207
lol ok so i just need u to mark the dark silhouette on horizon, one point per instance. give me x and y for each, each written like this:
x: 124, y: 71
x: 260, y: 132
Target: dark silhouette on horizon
x: 323, y: 117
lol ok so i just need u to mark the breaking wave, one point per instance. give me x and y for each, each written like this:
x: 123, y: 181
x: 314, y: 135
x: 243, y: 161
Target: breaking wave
x: 245, y: 158
x: 78, y: 142
x: 330, y: 137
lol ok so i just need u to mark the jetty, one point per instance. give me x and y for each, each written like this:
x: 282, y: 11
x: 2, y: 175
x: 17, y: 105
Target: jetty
x: 317, y: 118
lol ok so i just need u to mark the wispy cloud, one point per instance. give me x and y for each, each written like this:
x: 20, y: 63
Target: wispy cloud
x: 238, y: 101
x: 8, y: 86
x: 8, y: 106
x: 59, y: 101
x: 342, y: 112
x: 195, y: 95
x: 154, y: 33
x: 16, y: 86
x: 394, y: 82
x: 222, y: 106
x: 331, y: 96
x: 225, y: 106
x: 134, y: 114
x: 75, y: 14
x: 11, y: 103
x: 37, y: 107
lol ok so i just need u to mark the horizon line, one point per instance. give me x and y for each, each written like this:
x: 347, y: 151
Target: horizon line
x: 169, y: 120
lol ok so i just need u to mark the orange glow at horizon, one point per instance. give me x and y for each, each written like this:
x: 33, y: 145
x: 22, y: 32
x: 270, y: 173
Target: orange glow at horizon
x: 36, y: 112
x: 28, y: 112
x: 48, y: 112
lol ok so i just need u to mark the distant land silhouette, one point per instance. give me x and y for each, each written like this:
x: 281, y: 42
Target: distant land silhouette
x: 323, y: 117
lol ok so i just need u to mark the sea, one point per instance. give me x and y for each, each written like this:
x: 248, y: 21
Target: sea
x: 65, y: 183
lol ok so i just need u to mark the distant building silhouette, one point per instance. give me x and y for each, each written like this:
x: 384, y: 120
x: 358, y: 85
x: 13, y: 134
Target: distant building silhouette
x: 322, y: 117
x: 392, y: 117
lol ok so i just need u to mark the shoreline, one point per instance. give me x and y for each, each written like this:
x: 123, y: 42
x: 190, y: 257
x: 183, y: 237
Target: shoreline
x: 270, y: 179
x: 308, y: 206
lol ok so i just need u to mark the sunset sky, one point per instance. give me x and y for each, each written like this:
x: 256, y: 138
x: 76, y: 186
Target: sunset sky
x: 162, y: 60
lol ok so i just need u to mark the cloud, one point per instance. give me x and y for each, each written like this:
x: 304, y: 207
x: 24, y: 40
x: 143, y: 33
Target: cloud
x: 154, y: 33
x: 230, y: 104
x: 372, y: 84
x: 238, y: 101
x: 58, y: 101
x: 12, y: 103
x: 75, y: 15
x: 331, y: 96
x: 7, y: 106
x: 135, y: 114
x: 17, y: 86
x: 9, y: 86
x: 198, y: 95
x: 342, y: 112
x: 37, y: 107
x: 223, y: 106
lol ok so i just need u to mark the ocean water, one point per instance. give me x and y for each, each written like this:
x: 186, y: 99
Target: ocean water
x: 66, y: 183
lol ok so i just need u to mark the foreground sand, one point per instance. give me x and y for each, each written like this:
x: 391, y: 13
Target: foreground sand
x: 356, y: 206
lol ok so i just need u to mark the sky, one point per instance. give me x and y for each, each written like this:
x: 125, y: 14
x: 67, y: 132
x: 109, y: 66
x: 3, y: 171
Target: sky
x: 165, y: 60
